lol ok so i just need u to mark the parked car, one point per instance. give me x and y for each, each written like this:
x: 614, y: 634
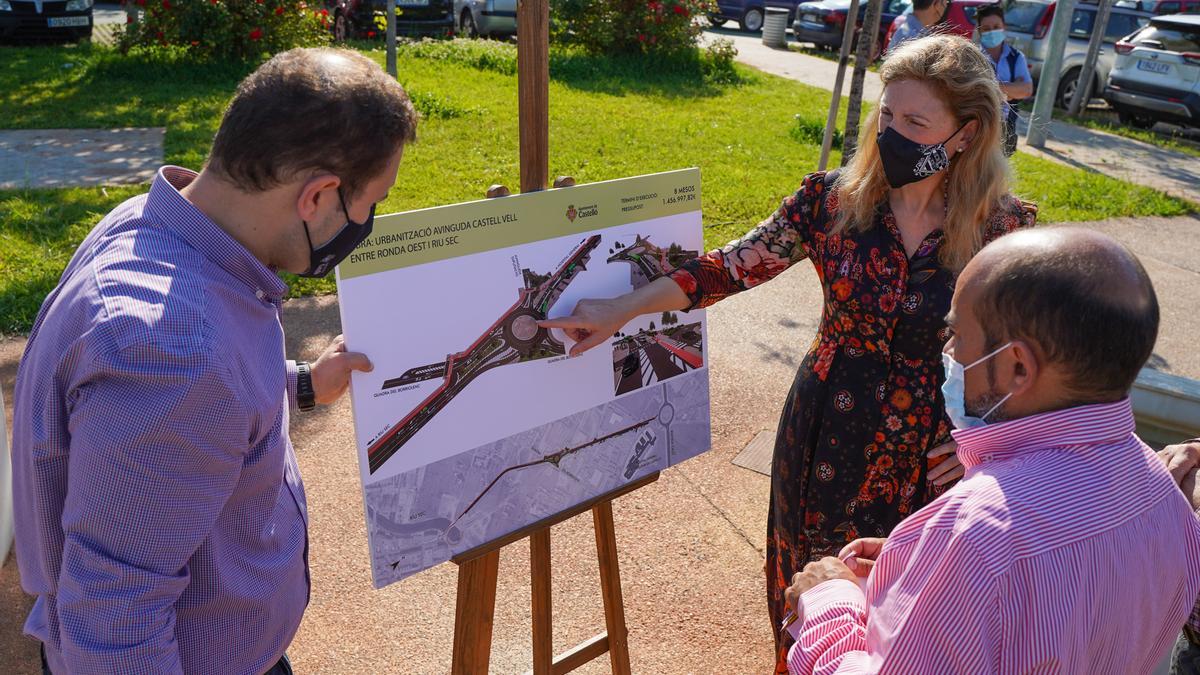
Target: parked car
x: 749, y: 13
x: 1157, y: 73
x: 45, y: 20
x: 1170, y: 6
x: 1029, y: 21
x: 960, y: 20
x: 822, y: 22
x: 366, y: 18
x: 490, y: 18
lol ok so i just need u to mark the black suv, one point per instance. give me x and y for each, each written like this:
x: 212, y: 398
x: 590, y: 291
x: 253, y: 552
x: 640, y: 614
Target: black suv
x: 45, y: 19
x: 367, y: 18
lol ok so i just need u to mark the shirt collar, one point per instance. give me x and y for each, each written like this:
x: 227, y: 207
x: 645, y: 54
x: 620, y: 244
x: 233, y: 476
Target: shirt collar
x: 165, y: 206
x: 1003, y: 53
x: 1080, y: 426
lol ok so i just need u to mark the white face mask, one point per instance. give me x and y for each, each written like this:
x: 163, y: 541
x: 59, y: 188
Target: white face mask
x: 954, y: 391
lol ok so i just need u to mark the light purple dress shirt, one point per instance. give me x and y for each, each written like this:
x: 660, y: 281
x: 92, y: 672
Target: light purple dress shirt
x: 161, y: 520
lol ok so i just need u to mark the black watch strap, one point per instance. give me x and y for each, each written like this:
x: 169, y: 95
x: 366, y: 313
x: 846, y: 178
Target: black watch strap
x: 306, y: 397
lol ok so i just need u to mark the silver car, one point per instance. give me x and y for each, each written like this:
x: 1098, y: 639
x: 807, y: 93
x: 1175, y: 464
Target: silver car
x: 1157, y: 76
x: 1028, y: 23
x: 490, y: 18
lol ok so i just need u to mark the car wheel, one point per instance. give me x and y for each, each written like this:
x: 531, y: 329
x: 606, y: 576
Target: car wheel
x: 1066, y: 89
x: 752, y: 20
x: 341, y: 27
x: 467, y: 25
x: 716, y: 20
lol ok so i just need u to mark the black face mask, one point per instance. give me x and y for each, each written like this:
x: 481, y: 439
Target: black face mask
x: 322, y: 260
x: 906, y: 161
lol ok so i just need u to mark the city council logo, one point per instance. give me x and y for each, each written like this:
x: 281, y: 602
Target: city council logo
x: 571, y: 213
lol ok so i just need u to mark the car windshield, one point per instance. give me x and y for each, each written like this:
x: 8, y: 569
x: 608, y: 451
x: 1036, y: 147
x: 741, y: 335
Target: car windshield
x: 1022, y: 15
x: 1172, y: 39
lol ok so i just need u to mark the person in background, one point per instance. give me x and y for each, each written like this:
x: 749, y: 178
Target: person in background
x: 161, y: 521
x: 1012, y: 70
x: 925, y: 16
x: 1067, y: 547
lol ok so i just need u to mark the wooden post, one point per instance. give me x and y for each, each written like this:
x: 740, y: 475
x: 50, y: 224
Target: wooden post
x: 610, y: 588
x: 391, y: 37
x: 479, y: 568
x: 836, y: 101
x: 1083, y: 85
x: 543, y: 631
x: 533, y: 92
x: 1047, y: 89
x: 862, y: 58
x: 477, y: 574
x: 474, y: 614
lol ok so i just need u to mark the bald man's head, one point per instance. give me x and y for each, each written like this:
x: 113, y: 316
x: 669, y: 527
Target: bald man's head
x: 313, y: 110
x: 1081, y: 297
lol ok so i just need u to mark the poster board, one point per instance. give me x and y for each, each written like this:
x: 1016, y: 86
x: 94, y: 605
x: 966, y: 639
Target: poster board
x: 475, y: 422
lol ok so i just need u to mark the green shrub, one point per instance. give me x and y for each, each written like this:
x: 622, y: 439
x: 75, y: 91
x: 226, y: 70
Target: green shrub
x: 812, y: 131
x: 241, y: 30
x: 629, y: 26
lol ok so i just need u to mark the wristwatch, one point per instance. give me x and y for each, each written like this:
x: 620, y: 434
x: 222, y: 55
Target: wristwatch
x: 306, y: 397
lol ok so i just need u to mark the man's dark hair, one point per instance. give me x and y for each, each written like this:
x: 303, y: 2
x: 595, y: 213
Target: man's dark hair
x: 923, y: 4
x: 313, y: 110
x: 1090, y: 308
x: 989, y: 10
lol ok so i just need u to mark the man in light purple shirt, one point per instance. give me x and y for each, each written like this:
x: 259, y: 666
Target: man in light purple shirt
x: 161, y: 520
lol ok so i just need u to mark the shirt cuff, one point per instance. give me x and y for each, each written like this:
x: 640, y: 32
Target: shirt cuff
x: 835, y: 593
x: 293, y: 374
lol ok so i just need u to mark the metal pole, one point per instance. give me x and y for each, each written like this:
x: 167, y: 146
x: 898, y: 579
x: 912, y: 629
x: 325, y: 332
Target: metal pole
x: 831, y: 121
x: 1083, y: 88
x: 391, y: 37
x: 1047, y: 89
x: 862, y: 58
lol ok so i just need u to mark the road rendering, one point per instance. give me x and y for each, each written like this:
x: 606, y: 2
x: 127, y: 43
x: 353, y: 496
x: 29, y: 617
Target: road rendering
x: 513, y: 338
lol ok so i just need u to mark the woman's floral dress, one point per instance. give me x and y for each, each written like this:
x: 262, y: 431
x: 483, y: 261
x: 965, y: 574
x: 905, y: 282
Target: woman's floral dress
x: 866, y: 405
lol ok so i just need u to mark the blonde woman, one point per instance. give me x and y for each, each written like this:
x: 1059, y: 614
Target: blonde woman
x: 887, y: 235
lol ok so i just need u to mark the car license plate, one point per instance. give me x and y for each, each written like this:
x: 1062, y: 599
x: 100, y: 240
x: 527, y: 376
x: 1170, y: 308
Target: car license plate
x: 67, y: 21
x: 1153, y: 66
x: 811, y: 18
x: 412, y: 3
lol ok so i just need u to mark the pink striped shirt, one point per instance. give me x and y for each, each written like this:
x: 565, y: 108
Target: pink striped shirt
x: 1066, y: 548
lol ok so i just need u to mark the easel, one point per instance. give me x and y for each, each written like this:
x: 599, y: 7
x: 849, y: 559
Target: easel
x: 479, y: 567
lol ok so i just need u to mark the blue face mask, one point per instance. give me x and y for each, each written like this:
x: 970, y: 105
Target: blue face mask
x: 954, y: 391
x: 991, y: 39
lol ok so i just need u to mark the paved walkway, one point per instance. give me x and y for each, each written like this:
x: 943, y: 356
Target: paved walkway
x: 1172, y: 172
x: 59, y: 158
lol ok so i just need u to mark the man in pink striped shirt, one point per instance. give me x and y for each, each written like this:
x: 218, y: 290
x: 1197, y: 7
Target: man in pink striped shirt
x: 1066, y: 547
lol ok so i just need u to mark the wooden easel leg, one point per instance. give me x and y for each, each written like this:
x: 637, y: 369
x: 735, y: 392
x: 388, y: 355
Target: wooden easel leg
x: 610, y: 587
x: 475, y: 613
x: 539, y: 571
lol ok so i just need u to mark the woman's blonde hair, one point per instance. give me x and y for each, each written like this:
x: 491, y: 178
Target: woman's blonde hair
x: 978, y: 177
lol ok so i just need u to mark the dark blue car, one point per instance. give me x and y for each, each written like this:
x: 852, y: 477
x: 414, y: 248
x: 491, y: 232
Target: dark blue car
x: 822, y: 22
x: 749, y: 13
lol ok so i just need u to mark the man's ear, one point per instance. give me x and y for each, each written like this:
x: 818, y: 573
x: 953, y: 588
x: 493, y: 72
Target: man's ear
x: 1021, y: 368
x: 313, y: 192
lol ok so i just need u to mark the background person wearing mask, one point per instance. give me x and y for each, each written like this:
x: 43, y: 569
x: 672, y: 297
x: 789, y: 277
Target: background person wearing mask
x: 161, y: 519
x: 1012, y: 70
x: 1067, y: 547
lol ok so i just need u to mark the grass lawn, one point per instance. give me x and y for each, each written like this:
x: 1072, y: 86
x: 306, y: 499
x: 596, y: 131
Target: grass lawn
x: 609, y: 119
